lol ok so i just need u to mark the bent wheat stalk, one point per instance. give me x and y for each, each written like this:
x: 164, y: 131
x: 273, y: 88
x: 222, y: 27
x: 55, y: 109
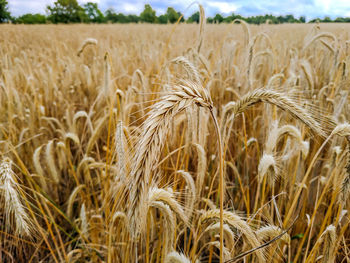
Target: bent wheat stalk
x: 285, y: 103
x: 238, y: 223
x: 221, y: 186
x: 151, y: 141
x: 87, y: 42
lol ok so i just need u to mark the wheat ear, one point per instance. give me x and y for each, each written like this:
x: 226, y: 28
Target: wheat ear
x: 14, y: 209
x: 237, y: 222
x: 120, y: 149
x: 87, y: 42
x: 270, y: 231
x: 283, y: 102
x: 152, y: 137
x: 174, y: 257
x: 329, y: 236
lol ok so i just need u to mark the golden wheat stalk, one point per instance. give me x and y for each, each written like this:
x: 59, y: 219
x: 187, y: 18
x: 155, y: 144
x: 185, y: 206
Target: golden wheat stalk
x: 87, y: 42
x: 120, y: 149
x: 270, y: 231
x: 237, y: 222
x: 228, y: 233
x: 285, y: 103
x: 151, y: 141
x: 329, y: 237
x: 175, y: 257
x: 13, y: 207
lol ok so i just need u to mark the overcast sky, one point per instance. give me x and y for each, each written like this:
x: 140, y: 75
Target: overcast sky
x: 308, y: 8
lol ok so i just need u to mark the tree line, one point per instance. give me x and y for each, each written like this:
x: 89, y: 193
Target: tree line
x: 69, y: 11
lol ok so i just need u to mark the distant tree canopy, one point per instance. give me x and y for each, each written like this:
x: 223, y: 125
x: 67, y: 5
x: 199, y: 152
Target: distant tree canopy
x: 4, y: 12
x: 113, y: 17
x: 93, y: 13
x: 31, y: 19
x: 148, y: 15
x: 218, y: 18
x: 69, y: 11
x: 172, y: 15
x: 66, y: 11
x: 193, y: 18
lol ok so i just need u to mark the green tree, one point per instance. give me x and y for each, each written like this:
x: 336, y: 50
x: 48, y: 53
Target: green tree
x: 133, y: 18
x: 182, y: 17
x: 193, y: 18
x: 110, y: 15
x: 290, y: 19
x: 93, y: 13
x: 327, y: 19
x: 4, y: 12
x: 163, y: 19
x: 121, y: 18
x: 31, y: 19
x: 342, y: 20
x: 172, y: 15
x: 218, y: 18
x: 233, y: 17
x: 148, y: 15
x: 66, y: 11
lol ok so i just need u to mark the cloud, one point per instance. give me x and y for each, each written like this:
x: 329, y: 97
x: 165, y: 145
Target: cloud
x: 222, y: 7
x: 19, y: 7
x: 132, y: 8
x: 308, y: 8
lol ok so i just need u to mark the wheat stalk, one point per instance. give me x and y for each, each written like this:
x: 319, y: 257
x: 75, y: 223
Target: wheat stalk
x: 151, y: 141
x: 87, y: 42
x: 268, y: 166
x: 285, y: 103
x: 229, y: 235
x: 329, y: 237
x: 120, y: 149
x: 270, y: 231
x: 237, y: 222
x: 13, y: 206
x: 175, y: 257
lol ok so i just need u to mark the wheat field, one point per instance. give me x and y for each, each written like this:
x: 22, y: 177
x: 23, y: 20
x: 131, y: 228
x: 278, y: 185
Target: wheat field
x: 174, y: 143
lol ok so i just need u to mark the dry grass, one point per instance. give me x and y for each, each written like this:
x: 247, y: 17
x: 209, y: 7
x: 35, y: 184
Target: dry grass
x: 110, y: 141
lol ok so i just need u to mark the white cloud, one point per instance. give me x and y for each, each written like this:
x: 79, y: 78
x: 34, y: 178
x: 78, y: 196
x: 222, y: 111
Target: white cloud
x: 323, y: 4
x: 132, y: 8
x: 20, y: 7
x: 222, y: 7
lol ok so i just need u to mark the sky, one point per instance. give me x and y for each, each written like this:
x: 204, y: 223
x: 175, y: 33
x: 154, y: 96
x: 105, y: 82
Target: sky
x: 308, y: 8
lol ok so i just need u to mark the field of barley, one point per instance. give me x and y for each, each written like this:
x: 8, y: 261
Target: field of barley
x: 175, y: 143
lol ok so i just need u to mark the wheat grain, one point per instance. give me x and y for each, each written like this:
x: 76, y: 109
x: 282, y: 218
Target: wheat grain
x: 152, y: 139
x: 237, y: 222
x: 15, y: 211
x: 88, y: 41
x: 174, y: 257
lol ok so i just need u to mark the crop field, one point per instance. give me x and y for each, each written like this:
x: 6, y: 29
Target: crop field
x: 175, y: 143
